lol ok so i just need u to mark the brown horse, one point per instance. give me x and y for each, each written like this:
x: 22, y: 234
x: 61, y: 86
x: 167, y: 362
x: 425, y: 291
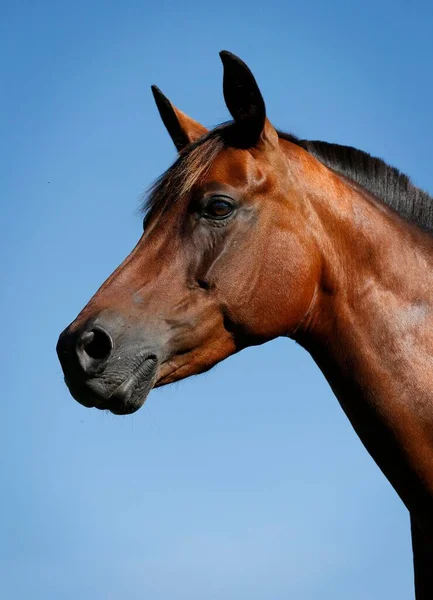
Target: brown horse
x: 253, y: 234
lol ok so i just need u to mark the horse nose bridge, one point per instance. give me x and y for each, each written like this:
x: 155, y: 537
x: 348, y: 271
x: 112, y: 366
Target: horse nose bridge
x: 139, y: 279
x: 138, y: 290
x: 146, y: 285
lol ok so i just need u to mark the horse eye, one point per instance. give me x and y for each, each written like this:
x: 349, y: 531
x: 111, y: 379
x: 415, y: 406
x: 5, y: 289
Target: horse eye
x: 218, y: 209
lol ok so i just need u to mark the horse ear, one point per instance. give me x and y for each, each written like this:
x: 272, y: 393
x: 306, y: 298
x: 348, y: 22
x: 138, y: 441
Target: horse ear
x: 182, y: 129
x: 244, y: 99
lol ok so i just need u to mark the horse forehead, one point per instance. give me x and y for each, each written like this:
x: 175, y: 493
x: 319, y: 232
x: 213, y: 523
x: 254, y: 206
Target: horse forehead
x: 232, y: 166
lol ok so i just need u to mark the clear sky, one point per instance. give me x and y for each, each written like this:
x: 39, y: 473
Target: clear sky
x: 247, y: 482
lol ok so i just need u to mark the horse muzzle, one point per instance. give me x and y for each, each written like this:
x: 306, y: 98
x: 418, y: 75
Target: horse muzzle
x: 108, y: 364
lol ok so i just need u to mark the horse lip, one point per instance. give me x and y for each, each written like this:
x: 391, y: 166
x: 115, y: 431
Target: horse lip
x: 128, y: 396
x: 137, y: 374
x: 121, y: 400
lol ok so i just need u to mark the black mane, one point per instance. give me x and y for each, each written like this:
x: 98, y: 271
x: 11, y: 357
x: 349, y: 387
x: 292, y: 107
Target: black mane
x: 383, y: 181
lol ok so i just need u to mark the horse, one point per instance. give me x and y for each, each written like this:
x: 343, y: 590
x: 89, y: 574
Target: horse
x: 253, y: 234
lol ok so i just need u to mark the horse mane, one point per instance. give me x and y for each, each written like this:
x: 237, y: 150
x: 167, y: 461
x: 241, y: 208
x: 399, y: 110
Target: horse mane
x: 384, y: 182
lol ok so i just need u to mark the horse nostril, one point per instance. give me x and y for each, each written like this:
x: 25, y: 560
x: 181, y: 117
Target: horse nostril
x: 97, y: 344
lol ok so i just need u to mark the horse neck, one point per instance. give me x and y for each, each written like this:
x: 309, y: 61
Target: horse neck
x: 370, y: 330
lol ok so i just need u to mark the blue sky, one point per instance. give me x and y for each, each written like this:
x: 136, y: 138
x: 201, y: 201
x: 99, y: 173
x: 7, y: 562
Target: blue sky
x: 246, y: 482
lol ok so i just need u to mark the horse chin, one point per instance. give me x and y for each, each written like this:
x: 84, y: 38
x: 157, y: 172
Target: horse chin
x: 126, y: 397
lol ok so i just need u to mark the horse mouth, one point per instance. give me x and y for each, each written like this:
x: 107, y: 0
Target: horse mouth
x: 126, y: 397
